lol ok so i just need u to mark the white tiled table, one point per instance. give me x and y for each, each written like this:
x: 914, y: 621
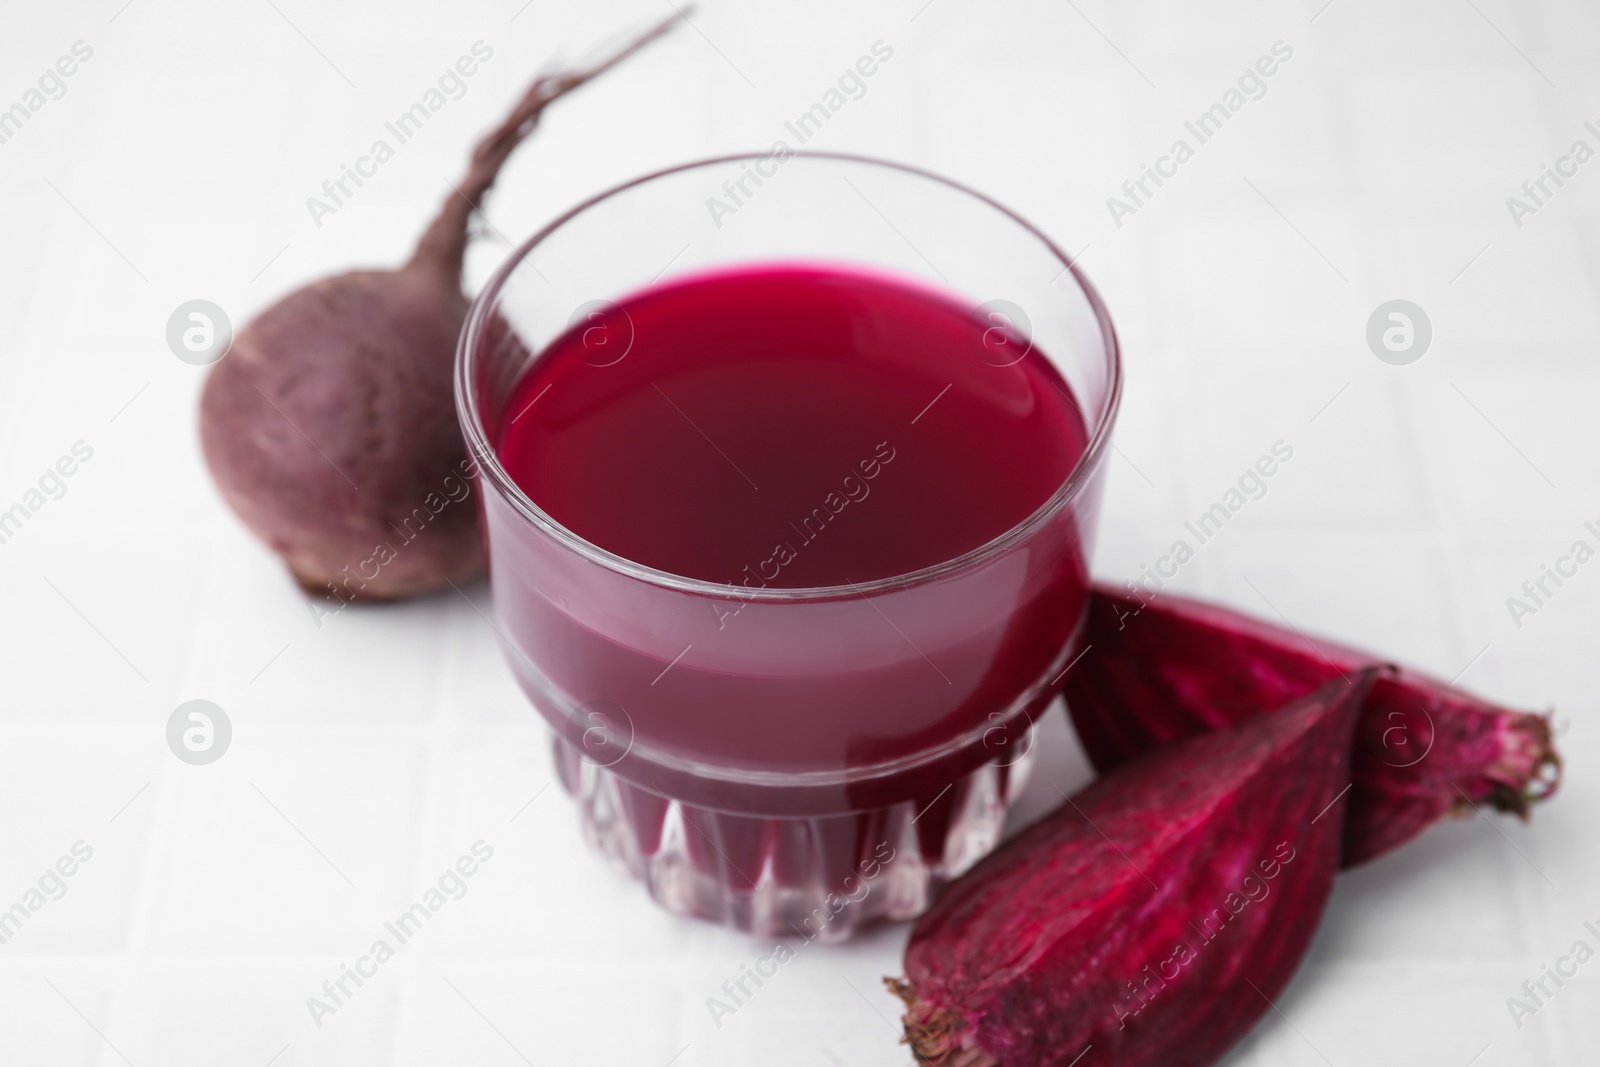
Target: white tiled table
x: 369, y: 754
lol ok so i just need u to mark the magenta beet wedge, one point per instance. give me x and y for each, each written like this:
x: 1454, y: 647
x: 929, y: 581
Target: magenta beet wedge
x: 1162, y: 668
x: 1154, y: 917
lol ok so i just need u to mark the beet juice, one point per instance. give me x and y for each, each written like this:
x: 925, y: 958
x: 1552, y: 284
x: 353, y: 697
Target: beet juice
x: 791, y: 428
x: 816, y: 655
x: 788, y: 464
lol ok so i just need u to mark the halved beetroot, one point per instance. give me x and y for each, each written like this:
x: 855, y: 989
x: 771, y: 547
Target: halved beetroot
x: 1162, y: 670
x: 1153, y: 916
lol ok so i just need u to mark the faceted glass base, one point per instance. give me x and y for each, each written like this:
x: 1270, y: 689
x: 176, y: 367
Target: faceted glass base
x: 820, y: 877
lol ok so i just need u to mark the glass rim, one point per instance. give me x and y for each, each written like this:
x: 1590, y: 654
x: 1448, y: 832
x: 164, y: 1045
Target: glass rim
x: 482, y: 452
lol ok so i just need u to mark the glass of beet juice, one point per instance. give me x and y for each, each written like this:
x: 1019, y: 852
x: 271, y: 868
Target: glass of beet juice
x: 789, y: 465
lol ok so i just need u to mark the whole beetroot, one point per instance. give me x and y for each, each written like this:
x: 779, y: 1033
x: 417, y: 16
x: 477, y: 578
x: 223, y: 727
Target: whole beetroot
x: 1153, y: 917
x: 330, y: 425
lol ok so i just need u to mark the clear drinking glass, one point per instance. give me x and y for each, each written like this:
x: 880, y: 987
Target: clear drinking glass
x: 700, y: 787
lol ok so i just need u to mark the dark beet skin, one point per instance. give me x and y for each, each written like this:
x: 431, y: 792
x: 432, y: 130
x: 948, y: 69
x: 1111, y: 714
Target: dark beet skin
x: 1151, y: 916
x: 330, y: 425
x: 330, y: 429
x: 1175, y: 668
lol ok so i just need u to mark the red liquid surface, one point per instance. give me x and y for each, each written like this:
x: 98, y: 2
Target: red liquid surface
x: 791, y: 427
x: 843, y: 427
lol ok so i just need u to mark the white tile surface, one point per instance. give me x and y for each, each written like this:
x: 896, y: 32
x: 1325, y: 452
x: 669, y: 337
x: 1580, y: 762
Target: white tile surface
x: 389, y: 740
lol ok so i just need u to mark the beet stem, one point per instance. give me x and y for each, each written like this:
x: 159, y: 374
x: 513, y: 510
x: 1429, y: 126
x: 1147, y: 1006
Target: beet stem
x: 443, y: 244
